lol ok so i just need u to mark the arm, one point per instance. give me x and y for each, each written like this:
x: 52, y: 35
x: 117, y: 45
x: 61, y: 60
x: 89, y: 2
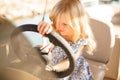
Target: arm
x: 59, y: 67
x: 62, y: 65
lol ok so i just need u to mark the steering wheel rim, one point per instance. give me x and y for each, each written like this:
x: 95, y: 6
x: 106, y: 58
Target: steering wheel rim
x: 57, y: 40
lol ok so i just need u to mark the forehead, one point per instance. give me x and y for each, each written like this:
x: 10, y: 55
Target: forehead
x: 64, y: 17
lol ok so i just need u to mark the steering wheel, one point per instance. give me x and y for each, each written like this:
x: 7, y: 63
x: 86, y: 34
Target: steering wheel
x: 54, y: 38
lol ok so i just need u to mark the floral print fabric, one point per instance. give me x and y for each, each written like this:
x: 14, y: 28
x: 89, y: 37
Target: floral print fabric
x: 82, y: 70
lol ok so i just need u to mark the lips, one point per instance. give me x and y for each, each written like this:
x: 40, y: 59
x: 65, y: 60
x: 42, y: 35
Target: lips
x: 60, y: 30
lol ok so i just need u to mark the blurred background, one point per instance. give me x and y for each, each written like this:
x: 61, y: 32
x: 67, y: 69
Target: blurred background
x: 16, y: 10
x: 32, y: 11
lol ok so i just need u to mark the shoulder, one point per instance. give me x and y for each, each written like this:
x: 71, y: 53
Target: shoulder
x: 83, y: 42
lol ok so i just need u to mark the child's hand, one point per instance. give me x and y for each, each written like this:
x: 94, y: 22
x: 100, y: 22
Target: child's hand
x: 49, y: 68
x: 44, y: 28
x: 47, y: 48
x: 64, y: 65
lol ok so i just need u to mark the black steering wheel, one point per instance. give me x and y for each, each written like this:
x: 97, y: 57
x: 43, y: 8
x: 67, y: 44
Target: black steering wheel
x: 57, y: 40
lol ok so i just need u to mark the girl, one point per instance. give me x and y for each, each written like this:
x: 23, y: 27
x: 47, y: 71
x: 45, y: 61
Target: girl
x: 70, y: 21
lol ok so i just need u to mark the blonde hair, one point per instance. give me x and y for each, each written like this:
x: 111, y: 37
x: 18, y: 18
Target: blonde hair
x: 79, y: 20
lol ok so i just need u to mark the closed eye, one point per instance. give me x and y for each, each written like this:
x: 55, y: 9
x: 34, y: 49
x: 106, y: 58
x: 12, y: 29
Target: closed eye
x: 64, y: 24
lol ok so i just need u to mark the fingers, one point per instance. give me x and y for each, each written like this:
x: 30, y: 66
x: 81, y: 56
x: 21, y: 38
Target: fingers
x: 44, y: 28
x: 49, y: 68
x: 47, y: 48
x: 49, y: 30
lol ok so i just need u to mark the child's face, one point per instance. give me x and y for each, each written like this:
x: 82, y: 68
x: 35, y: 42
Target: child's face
x: 63, y: 26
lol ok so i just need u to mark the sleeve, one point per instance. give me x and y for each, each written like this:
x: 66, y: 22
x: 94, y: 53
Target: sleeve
x: 58, y: 55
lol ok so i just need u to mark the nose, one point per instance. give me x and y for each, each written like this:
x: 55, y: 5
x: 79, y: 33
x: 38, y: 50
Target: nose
x: 61, y: 27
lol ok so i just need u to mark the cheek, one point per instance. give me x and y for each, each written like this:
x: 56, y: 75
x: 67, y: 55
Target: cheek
x: 71, y: 33
x: 71, y: 30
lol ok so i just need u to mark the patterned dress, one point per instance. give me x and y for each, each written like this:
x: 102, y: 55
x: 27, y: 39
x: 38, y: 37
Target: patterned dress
x: 81, y: 71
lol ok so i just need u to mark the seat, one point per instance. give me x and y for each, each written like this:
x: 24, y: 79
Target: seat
x: 105, y: 39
